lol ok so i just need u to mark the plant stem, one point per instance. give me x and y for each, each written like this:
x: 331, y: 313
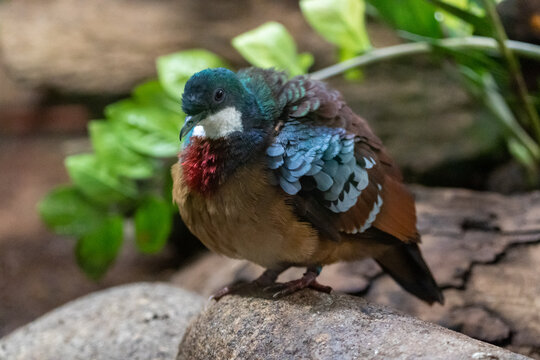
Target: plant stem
x: 513, y: 67
x: 392, y: 52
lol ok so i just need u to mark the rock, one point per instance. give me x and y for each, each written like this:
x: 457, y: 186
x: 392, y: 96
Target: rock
x: 312, y: 325
x: 136, y: 321
x: 12, y: 94
x: 483, y: 249
x: 510, y: 292
x: 82, y: 47
x: 424, y: 129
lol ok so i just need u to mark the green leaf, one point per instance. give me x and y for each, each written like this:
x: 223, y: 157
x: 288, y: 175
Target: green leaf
x: 414, y: 16
x: 96, y: 180
x: 152, y: 93
x: 96, y: 251
x: 271, y: 45
x: 149, y: 130
x: 341, y: 22
x: 166, y: 191
x: 174, y: 70
x: 152, y: 224
x: 352, y: 74
x: 521, y: 154
x: 305, y: 60
x: 497, y: 104
x: 67, y: 212
x: 112, y: 152
x: 481, y: 25
x: 476, y: 60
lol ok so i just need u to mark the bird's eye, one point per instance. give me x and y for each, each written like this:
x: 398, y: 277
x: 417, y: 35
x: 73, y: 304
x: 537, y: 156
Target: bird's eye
x: 219, y: 95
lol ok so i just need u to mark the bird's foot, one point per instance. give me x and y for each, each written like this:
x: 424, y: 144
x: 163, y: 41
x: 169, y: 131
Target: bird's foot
x: 309, y: 280
x: 267, y: 278
x: 227, y: 290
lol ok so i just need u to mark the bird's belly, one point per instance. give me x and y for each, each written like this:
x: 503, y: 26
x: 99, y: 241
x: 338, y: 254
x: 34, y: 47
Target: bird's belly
x: 246, y: 218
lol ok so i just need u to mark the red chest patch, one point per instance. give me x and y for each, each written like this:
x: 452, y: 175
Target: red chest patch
x: 203, y: 164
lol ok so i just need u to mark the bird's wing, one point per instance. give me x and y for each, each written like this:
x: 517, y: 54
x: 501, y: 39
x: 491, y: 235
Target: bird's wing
x: 335, y: 169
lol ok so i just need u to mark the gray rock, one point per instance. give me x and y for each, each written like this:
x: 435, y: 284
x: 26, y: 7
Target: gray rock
x: 311, y: 325
x: 60, y: 45
x: 136, y: 321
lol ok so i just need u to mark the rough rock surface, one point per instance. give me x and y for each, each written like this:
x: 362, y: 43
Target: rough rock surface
x: 483, y: 248
x: 136, y: 321
x: 311, y: 325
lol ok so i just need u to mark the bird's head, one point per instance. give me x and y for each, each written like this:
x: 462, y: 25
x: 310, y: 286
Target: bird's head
x: 216, y: 100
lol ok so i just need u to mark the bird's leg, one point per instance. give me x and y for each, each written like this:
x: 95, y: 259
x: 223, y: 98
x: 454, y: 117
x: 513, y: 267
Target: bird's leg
x: 308, y: 280
x: 267, y: 278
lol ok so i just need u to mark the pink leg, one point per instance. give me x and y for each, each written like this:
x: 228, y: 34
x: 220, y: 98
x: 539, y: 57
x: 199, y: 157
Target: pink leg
x: 308, y: 280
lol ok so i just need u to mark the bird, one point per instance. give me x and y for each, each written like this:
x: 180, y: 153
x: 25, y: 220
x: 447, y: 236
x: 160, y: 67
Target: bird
x: 281, y: 172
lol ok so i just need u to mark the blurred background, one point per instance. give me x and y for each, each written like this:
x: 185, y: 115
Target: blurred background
x: 455, y: 113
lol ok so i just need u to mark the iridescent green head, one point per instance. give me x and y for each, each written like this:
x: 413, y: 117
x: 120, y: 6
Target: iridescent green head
x: 218, y: 101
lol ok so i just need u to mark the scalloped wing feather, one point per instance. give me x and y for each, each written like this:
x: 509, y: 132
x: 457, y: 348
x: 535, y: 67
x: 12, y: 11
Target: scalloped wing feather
x: 328, y: 156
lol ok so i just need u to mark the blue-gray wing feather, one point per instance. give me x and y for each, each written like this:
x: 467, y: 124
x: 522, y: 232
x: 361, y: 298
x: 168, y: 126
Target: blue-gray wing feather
x: 323, y: 154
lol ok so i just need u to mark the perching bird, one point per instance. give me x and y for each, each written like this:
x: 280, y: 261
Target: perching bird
x: 282, y: 173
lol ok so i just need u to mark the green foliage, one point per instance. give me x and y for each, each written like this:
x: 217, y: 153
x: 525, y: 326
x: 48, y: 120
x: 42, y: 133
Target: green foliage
x: 271, y: 45
x: 152, y: 224
x: 128, y: 172
x: 147, y: 129
x: 340, y: 22
x: 152, y: 93
x: 97, y: 250
x: 520, y: 144
x: 68, y: 212
x: 414, y: 16
x: 174, y: 70
x: 127, y: 176
x: 462, y: 11
x: 487, y: 78
x: 121, y: 160
x: 95, y: 180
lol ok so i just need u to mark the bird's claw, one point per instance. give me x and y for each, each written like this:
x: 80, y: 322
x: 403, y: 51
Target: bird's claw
x: 267, y: 282
x: 227, y: 290
x: 220, y: 293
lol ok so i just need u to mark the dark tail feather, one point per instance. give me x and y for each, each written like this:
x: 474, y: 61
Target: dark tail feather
x: 405, y: 264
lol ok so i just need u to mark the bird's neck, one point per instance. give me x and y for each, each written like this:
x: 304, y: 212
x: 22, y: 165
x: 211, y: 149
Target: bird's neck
x: 207, y: 163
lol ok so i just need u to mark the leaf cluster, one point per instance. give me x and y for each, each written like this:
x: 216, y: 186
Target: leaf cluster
x: 125, y: 181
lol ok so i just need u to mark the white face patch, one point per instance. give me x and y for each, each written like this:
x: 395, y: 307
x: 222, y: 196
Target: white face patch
x: 222, y: 123
x: 198, y: 131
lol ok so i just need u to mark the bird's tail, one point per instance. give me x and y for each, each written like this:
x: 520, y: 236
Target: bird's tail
x: 405, y: 264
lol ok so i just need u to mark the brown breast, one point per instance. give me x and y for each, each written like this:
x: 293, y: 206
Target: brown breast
x: 246, y: 218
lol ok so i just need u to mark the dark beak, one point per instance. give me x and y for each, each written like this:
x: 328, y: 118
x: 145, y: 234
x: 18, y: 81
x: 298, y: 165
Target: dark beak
x: 189, y: 123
